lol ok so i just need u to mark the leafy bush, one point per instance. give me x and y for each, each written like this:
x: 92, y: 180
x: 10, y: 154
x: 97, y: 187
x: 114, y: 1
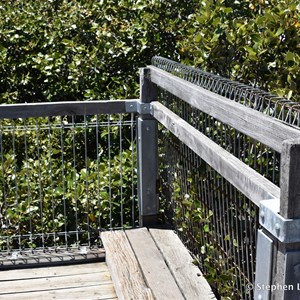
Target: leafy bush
x: 256, y: 42
x: 59, y: 50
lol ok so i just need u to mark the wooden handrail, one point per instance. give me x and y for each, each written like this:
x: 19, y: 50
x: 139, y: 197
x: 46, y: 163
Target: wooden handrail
x: 248, y: 181
x: 265, y: 129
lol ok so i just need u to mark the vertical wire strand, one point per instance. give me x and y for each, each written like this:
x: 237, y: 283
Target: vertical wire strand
x: 53, y: 206
x: 75, y: 178
x: 87, y: 179
x: 16, y: 182
x: 37, y: 128
x: 62, y: 127
x: 28, y: 184
x: 98, y: 156
x: 109, y: 172
x: 133, y: 149
x: 121, y: 169
x: 3, y: 206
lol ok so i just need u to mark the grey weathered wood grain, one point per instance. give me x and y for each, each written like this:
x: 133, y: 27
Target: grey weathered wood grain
x: 86, y: 281
x: 28, y: 110
x: 148, y: 90
x: 188, y: 277
x: 46, y: 272
x: 154, y: 268
x: 249, y: 182
x: 124, y: 268
x: 265, y: 129
x: 289, y: 209
x: 290, y: 179
x: 103, y: 292
x: 52, y: 283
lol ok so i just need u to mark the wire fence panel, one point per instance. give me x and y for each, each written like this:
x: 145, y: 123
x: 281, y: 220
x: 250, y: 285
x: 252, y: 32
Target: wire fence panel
x: 216, y: 221
x: 64, y: 179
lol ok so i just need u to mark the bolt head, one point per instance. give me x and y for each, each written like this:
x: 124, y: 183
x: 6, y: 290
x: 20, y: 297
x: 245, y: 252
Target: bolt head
x: 277, y: 228
x: 262, y: 217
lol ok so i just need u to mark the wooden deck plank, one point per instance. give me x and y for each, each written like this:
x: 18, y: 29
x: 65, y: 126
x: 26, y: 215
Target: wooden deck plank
x: 83, y: 281
x: 84, y: 293
x: 124, y: 268
x: 32, y: 273
x: 154, y: 268
x: 52, y: 283
x: 188, y: 277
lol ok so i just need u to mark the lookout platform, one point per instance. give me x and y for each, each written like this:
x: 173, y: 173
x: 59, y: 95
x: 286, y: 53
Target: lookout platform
x: 140, y: 264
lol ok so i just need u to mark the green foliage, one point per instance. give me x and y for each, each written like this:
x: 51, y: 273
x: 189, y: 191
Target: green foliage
x: 57, y: 50
x: 54, y: 180
x: 256, y: 42
x: 60, y: 50
x: 195, y: 222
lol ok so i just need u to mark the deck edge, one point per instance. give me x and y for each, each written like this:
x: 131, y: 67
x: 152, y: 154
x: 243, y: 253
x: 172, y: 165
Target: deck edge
x: 188, y: 276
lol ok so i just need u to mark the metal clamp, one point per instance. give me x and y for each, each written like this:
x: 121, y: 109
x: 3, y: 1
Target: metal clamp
x: 285, y: 230
x: 139, y: 107
x: 131, y: 106
x: 143, y: 108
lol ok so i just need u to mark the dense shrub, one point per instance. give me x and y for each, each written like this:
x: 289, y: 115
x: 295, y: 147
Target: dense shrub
x: 257, y: 42
x: 59, y: 50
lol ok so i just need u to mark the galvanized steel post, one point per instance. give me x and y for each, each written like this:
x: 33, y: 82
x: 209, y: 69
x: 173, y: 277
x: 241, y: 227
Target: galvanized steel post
x: 278, y: 245
x: 147, y: 153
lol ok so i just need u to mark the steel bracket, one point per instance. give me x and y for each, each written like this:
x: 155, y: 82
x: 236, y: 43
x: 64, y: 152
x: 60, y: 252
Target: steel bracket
x: 264, y: 254
x: 131, y: 106
x: 143, y: 108
x: 139, y: 107
x: 285, y: 230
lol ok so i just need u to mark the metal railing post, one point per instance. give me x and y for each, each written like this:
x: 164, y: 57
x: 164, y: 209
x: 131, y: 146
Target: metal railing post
x: 278, y: 245
x: 147, y: 153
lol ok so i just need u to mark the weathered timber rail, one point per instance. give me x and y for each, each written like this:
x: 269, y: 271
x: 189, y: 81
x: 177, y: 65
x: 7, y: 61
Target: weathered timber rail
x: 251, y: 122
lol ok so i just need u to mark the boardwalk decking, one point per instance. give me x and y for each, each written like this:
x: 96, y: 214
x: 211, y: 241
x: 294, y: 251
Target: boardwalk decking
x: 153, y: 264
x: 79, y: 281
x: 141, y: 264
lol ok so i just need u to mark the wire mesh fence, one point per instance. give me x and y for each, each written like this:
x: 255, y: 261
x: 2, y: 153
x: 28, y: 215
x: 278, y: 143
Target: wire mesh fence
x: 216, y: 221
x: 64, y: 179
x: 272, y: 105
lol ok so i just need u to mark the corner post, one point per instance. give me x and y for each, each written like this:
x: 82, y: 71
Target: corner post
x: 287, y: 258
x: 147, y: 153
x: 281, y: 233
x: 290, y: 179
